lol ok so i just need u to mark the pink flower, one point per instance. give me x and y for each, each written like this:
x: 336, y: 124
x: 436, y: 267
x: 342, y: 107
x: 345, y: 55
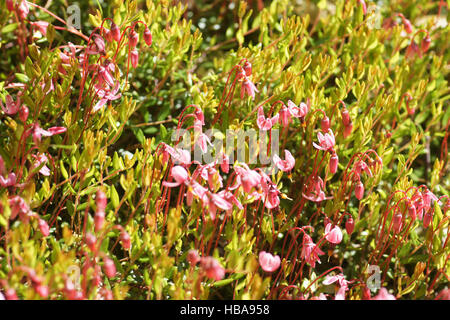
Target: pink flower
x: 340, y: 295
x: 326, y: 142
x: 284, y: 165
x: 8, y: 182
x: 247, y: 178
x: 180, y: 175
x: 325, y: 124
x: 333, y: 235
x: 362, y: 166
x: 383, y: 294
x: 298, y: 112
x: 268, y: 262
x: 247, y: 68
x: 203, y: 141
x: 105, y: 96
x: 11, y: 107
x: 23, y: 9
x: 41, y: 159
x: 180, y: 156
x: 212, y: 268
x: 314, y: 190
x: 339, y: 278
x: 215, y: 201
x: 310, y: 251
x: 265, y: 123
x: 225, y: 163
x: 38, y: 132
x: 193, y: 257
x: 248, y: 88
x: 42, y: 26
x: 19, y: 207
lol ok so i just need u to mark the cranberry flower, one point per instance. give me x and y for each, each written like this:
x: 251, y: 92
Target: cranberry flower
x: 326, y: 141
x: 212, y: 268
x: 333, y: 235
x: 105, y: 96
x: 11, y: 107
x: 310, y: 251
x: 268, y: 262
x: 383, y: 294
x: 180, y: 175
x: 284, y: 165
x: 265, y: 123
x: 37, y: 132
x: 248, y: 88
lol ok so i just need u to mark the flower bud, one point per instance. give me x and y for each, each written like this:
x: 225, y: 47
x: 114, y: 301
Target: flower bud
x: 133, y: 38
x: 334, y: 160
x: 407, y: 24
x: 23, y: 113
x: 193, y: 258
x: 366, y: 293
x: 42, y: 290
x: 44, y: 228
x: 134, y: 58
x: 345, y: 117
x: 348, y: 130
x: 325, y: 124
x: 350, y: 225
x: 23, y: 9
x: 10, y: 294
x: 99, y: 220
x: 10, y: 7
x: 109, y: 267
x: 425, y: 45
x: 359, y: 190
x: 148, y: 36
x: 248, y: 68
x: 412, y: 211
x: 397, y: 223
x: 108, y: 35
x: 90, y: 240
x: 115, y: 32
x: 427, y: 217
x: 101, y: 200
x: 125, y: 239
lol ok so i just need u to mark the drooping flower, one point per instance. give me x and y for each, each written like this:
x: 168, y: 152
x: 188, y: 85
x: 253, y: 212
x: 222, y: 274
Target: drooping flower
x: 268, y: 262
x: 109, y: 267
x: 265, y: 123
x: 11, y: 107
x: 134, y: 58
x: 148, y: 36
x: 247, y: 178
x: 359, y: 190
x: 115, y: 31
x: 284, y: 165
x: 44, y: 228
x: 8, y: 182
x: 298, y: 112
x: 193, y: 257
x: 326, y: 141
x: 19, y: 208
x: 248, y: 88
x: 105, y: 96
x: 334, y: 161
x: 383, y: 294
x: 23, y: 9
x: 310, y: 251
x: 212, y: 268
x: 336, y: 278
x: 41, y: 26
x: 179, y: 174
x: 37, y: 132
x: 41, y: 159
x: 333, y: 235
x: 133, y: 38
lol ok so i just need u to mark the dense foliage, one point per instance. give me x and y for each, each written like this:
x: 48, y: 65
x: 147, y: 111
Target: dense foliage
x: 98, y: 199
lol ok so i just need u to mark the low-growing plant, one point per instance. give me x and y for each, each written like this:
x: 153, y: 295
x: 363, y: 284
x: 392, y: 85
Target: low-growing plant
x: 233, y: 150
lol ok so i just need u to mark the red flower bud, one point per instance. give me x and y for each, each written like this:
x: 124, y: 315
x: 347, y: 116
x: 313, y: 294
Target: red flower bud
x: 10, y: 7
x: 134, y: 58
x: 42, y: 290
x: 425, y: 45
x: 148, y: 36
x: 348, y: 130
x: 115, y: 32
x: 427, y: 217
x: 366, y: 293
x: 248, y: 68
x: 334, y: 160
x: 325, y: 124
x: 407, y: 24
x: 125, y: 239
x: 193, y: 258
x: 101, y: 200
x: 350, y: 225
x: 108, y: 35
x: 10, y: 294
x: 44, y: 228
x: 133, y: 38
x: 23, y: 113
x: 345, y: 117
x: 412, y: 212
x: 99, y: 220
x: 359, y: 190
x: 90, y: 240
x: 109, y: 267
x: 397, y: 222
